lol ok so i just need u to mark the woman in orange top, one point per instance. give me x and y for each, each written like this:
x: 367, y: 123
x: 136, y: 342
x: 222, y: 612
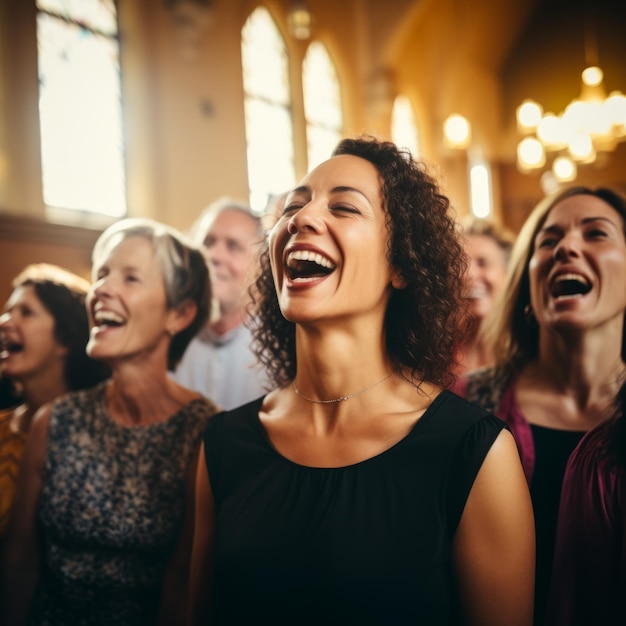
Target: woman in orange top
x: 43, y: 335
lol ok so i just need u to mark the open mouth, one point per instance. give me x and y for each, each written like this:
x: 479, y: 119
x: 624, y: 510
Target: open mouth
x: 108, y: 319
x: 306, y: 265
x: 10, y: 347
x: 570, y: 286
x: 477, y: 293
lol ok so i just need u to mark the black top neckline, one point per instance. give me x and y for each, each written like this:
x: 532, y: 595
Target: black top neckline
x: 425, y: 418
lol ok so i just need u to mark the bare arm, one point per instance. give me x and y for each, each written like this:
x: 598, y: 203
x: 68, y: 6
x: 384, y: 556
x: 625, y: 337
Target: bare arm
x: 494, y: 546
x: 21, y: 557
x: 175, y: 588
x: 200, y: 586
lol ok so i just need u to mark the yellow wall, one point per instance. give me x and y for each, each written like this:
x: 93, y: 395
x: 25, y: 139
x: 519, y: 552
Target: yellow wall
x: 183, y: 104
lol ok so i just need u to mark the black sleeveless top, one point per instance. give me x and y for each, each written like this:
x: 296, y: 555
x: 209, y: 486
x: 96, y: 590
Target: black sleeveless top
x: 369, y: 543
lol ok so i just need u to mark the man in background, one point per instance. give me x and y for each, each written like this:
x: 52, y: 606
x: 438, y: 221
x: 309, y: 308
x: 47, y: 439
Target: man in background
x: 219, y: 362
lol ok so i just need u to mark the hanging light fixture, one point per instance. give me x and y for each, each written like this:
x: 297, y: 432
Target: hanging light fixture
x: 590, y: 124
x: 300, y: 20
x: 191, y: 20
x: 564, y: 169
x: 457, y: 132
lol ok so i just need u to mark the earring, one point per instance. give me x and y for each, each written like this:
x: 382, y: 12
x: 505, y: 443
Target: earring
x: 529, y: 315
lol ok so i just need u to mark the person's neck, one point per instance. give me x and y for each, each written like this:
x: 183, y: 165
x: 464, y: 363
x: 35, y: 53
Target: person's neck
x: 227, y: 321
x: 591, y: 371
x: 144, y: 395
x: 475, y: 351
x: 475, y: 355
x: 335, y: 363
x: 37, y: 392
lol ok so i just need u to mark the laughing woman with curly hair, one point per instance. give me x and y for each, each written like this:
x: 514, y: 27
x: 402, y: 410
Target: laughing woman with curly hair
x: 360, y: 491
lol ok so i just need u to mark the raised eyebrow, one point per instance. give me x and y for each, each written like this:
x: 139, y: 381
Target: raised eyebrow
x: 347, y: 188
x: 126, y: 269
x: 589, y: 220
x: 338, y: 189
x: 300, y: 189
x: 555, y: 229
x: 552, y: 230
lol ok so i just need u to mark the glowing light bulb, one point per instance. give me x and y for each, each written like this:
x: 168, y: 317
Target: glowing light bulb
x: 457, y: 131
x: 530, y: 154
x: 529, y: 115
x: 564, y: 169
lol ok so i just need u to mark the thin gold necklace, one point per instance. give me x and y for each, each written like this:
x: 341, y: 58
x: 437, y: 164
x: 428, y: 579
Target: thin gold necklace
x: 340, y: 398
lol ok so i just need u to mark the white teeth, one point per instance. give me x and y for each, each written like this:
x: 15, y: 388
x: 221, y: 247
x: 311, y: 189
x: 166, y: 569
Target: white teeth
x: 108, y: 316
x: 474, y: 294
x: 572, y: 276
x: 308, y: 255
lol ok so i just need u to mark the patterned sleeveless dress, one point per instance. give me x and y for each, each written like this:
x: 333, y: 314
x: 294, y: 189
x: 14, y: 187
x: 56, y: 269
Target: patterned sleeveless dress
x: 110, y: 510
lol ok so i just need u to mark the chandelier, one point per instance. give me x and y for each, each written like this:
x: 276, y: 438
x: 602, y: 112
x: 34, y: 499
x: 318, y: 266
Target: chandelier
x: 589, y: 125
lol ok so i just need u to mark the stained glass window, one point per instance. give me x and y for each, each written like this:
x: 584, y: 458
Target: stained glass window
x: 80, y: 108
x: 403, y: 127
x: 322, y: 104
x: 267, y: 106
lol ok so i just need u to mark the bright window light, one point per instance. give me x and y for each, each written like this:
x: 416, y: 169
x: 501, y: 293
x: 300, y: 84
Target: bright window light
x: 403, y: 127
x: 267, y: 106
x: 80, y: 108
x: 322, y: 104
x: 480, y: 189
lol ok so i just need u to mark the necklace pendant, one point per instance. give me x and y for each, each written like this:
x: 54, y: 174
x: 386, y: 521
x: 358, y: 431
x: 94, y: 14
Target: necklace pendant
x: 340, y: 398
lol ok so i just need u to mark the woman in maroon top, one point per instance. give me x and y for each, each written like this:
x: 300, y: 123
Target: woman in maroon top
x: 589, y: 575
x: 559, y: 343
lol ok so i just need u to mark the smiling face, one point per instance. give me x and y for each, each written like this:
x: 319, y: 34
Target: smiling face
x: 28, y: 346
x: 577, y: 271
x: 486, y: 273
x: 127, y: 305
x: 229, y: 248
x: 329, y: 248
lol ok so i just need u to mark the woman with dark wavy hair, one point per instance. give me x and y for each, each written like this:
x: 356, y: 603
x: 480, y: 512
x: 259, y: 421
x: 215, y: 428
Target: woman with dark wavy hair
x: 360, y: 491
x: 43, y: 335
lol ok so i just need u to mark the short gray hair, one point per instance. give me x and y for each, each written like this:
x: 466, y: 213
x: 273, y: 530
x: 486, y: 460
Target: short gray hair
x: 201, y: 226
x: 185, y: 274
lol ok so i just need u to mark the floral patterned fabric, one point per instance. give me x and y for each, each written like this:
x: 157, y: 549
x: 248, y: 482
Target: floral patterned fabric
x: 111, y: 510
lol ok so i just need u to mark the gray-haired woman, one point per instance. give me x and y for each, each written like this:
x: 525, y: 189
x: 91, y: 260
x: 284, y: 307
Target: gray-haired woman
x: 106, y: 471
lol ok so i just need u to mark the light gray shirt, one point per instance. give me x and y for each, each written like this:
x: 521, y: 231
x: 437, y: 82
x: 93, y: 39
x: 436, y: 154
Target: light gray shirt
x: 222, y: 368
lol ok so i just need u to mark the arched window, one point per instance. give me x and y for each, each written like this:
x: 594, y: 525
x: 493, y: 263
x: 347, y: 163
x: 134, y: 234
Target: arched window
x: 481, y: 193
x: 267, y: 106
x: 403, y: 127
x: 322, y: 104
x: 80, y: 110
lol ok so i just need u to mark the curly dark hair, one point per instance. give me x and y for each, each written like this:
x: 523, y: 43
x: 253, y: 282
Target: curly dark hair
x: 424, y: 320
